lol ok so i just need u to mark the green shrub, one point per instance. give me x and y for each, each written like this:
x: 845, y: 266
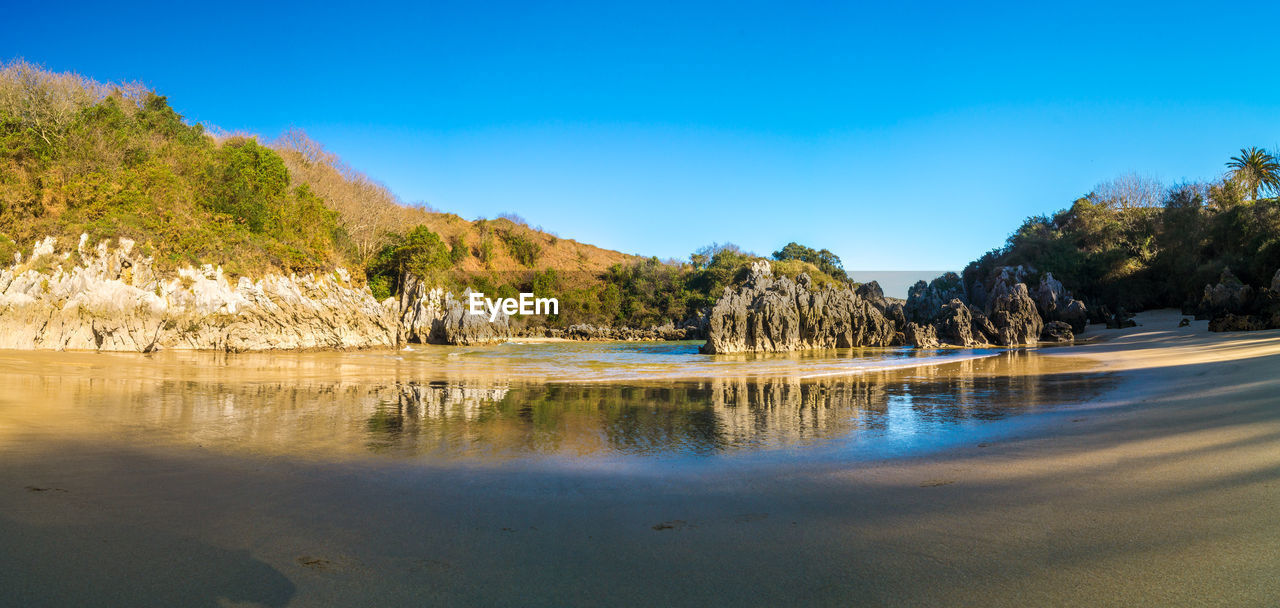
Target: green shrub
x: 380, y: 286
x: 521, y: 247
x: 458, y: 249
x: 486, y: 250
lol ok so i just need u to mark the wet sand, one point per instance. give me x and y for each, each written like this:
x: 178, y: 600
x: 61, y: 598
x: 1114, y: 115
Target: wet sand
x: 1165, y: 490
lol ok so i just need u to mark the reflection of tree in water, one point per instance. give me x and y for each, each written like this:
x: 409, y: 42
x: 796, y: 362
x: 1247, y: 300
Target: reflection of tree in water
x: 702, y: 417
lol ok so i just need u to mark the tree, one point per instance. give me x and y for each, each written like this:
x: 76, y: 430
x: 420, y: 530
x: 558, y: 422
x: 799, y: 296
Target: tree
x: 1129, y: 191
x: 829, y: 263
x: 1256, y: 170
x: 250, y: 182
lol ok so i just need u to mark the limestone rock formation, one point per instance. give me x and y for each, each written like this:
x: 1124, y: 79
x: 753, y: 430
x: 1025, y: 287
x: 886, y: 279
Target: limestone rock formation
x: 776, y: 314
x: 1230, y: 305
x: 984, y: 331
x: 925, y: 300
x: 459, y: 326
x: 1057, y: 331
x: 1228, y: 296
x: 920, y: 336
x: 434, y: 316
x: 586, y: 331
x: 110, y: 299
x: 1055, y: 303
x: 955, y: 325
x: 1015, y: 317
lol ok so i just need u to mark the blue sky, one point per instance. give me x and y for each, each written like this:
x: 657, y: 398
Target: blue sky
x: 914, y: 136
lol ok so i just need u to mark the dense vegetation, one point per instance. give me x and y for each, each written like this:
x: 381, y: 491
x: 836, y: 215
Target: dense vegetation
x: 1136, y: 244
x: 116, y: 161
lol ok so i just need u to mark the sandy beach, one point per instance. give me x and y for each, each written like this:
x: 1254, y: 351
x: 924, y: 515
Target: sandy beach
x: 1164, y: 490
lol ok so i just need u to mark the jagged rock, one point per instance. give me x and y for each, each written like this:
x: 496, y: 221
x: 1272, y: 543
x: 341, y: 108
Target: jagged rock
x: 689, y: 330
x: 433, y: 316
x: 1055, y: 303
x: 1231, y: 305
x: 1057, y: 331
x: 111, y: 299
x: 925, y: 300
x: 978, y: 295
x: 1184, y: 323
x: 1234, y: 322
x: 955, y: 324
x: 1015, y: 317
x: 896, y: 314
x: 1228, y: 296
x: 1121, y: 319
x: 1075, y: 314
x: 983, y: 294
x: 421, y: 311
x: 776, y: 314
x: 920, y: 336
x: 871, y: 293
x: 984, y: 330
x: 459, y: 326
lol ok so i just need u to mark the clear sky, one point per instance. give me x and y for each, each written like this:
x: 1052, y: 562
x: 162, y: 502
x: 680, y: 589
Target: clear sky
x: 901, y: 136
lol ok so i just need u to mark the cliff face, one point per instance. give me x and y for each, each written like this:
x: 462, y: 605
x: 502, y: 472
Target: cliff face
x: 97, y: 298
x: 776, y: 314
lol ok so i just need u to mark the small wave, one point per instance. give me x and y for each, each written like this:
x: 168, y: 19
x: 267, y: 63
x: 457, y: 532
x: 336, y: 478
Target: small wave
x: 920, y: 362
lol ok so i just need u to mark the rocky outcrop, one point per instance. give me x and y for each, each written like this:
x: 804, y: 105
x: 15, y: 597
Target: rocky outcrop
x: 925, y: 300
x: 1015, y: 317
x: 1057, y: 331
x: 984, y: 331
x: 588, y: 332
x: 920, y: 336
x: 775, y: 314
x: 102, y: 298
x: 1234, y: 322
x: 434, y: 316
x: 1055, y: 303
x: 955, y: 325
x: 459, y: 326
x: 982, y: 294
x: 1229, y: 296
x: 1230, y: 305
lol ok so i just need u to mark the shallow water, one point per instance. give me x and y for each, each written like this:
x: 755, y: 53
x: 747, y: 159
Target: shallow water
x: 602, y: 400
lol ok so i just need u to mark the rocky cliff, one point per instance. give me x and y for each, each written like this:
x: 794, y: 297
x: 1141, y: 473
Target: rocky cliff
x: 110, y: 298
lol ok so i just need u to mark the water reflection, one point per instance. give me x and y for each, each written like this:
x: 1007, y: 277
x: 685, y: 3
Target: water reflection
x: 336, y: 408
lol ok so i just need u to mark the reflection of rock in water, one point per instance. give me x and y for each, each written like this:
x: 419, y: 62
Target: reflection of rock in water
x: 308, y: 415
x: 787, y: 410
x: 399, y: 423
x: 442, y: 401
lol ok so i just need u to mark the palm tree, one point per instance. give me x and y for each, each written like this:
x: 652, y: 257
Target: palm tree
x: 1256, y: 170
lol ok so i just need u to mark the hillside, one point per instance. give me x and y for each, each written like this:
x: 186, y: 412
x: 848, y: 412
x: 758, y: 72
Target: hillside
x: 114, y: 160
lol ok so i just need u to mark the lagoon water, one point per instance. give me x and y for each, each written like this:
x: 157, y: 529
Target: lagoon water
x: 542, y: 401
x: 520, y: 474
